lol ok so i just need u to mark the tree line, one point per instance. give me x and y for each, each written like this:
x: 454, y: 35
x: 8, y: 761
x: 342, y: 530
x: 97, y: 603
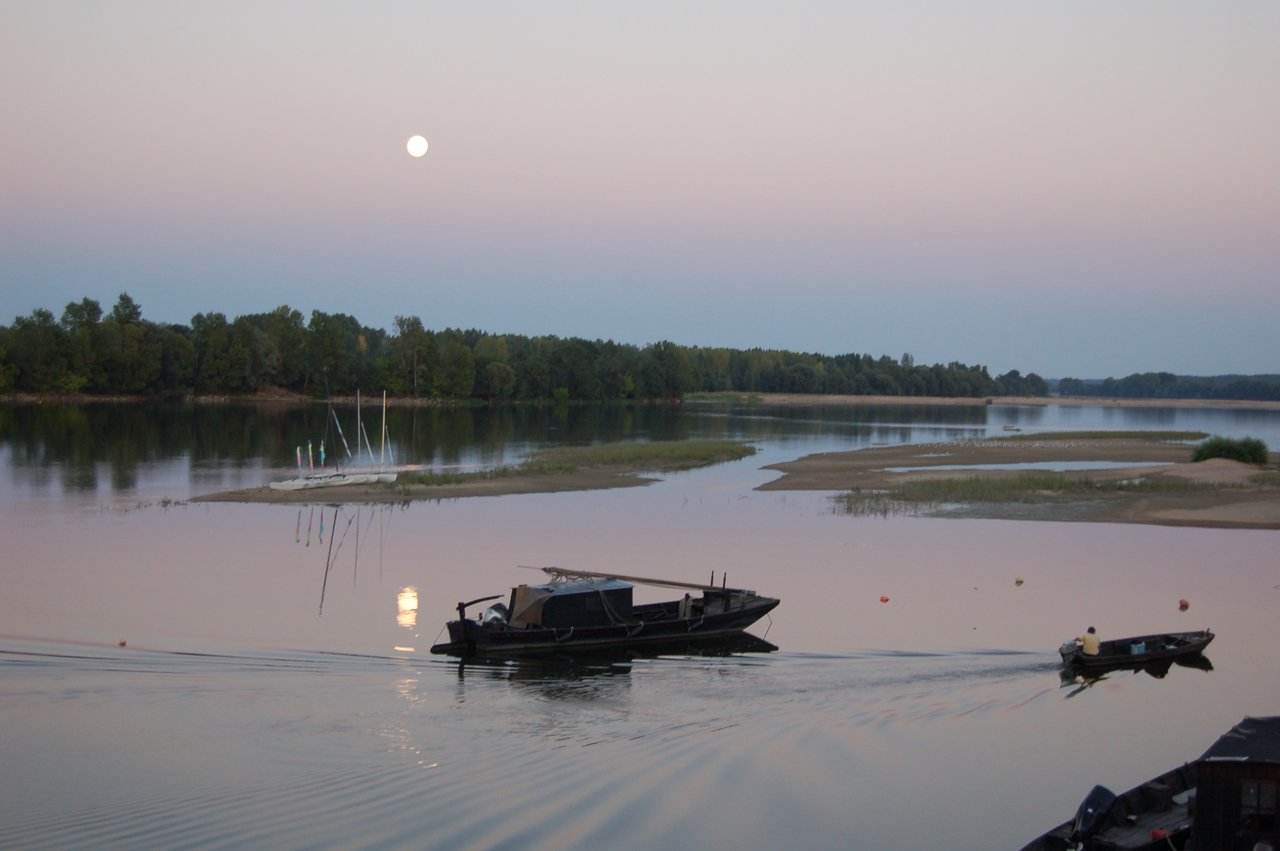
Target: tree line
x: 1166, y: 385
x: 87, y: 351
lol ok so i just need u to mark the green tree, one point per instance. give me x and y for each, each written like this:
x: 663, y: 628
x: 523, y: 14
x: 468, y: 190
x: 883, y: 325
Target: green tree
x: 177, y: 359
x: 80, y: 322
x: 572, y: 366
x: 457, y: 374
x: 211, y: 346
x: 533, y: 371
x: 6, y: 369
x: 282, y: 349
x: 411, y: 356
x: 128, y: 350
x: 497, y: 381
x: 38, y: 357
x: 126, y: 311
x: 667, y: 372
x: 332, y: 349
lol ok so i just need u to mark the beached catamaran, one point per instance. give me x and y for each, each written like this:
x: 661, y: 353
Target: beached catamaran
x: 313, y: 478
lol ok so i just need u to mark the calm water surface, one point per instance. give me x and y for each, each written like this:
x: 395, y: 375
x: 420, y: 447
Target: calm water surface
x: 275, y: 689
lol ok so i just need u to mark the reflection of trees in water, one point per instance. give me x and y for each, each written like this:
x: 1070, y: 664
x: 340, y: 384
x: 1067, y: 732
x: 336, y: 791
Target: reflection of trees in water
x: 84, y: 442
x: 79, y: 444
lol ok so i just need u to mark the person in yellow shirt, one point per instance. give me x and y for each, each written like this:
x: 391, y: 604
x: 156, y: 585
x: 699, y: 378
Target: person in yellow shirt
x: 1089, y: 643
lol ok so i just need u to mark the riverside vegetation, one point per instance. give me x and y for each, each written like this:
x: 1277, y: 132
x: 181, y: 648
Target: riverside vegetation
x: 562, y: 468
x: 1246, y: 450
x: 120, y: 353
x: 87, y: 352
x: 664, y: 455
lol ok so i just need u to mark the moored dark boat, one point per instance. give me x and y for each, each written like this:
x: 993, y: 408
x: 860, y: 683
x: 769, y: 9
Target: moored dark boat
x: 1224, y: 801
x: 584, y: 611
x: 1136, y: 651
x: 1155, y: 815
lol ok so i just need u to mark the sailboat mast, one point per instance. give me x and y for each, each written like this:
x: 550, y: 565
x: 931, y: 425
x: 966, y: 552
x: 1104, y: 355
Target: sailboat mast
x: 363, y: 432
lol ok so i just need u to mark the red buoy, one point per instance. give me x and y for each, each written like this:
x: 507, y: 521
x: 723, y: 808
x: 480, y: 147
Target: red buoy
x: 884, y: 598
x: 1183, y: 605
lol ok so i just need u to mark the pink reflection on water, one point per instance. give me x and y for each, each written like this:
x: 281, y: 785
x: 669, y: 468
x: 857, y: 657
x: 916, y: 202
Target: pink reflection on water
x: 866, y: 705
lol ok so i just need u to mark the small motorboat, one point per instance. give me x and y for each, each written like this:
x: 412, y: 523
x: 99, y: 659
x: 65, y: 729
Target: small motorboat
x: 1155, y: 816
x: 1225, y: 799
x: 1137, y: 651
x: 584, y: 611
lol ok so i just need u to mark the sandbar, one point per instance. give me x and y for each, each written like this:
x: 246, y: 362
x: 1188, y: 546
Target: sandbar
x: 1243, y: 496
x: 599, y: 478
x: 1236, y: 495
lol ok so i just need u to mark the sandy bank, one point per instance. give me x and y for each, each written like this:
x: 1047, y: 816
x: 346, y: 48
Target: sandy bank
x: 594, y: 479
x: 1235, y: 495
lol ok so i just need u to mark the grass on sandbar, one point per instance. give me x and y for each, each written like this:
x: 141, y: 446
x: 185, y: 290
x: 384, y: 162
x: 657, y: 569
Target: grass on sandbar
x: 1026, y: 487
x: 664, y: 455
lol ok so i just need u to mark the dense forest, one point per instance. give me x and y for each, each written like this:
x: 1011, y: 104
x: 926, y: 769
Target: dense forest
x: 88, y: 352
x: 1166, y: 385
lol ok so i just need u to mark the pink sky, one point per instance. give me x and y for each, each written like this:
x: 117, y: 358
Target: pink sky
x: 1066, y: 189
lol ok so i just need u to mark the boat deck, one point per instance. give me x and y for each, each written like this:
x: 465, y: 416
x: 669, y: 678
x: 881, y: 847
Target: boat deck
x: 1138, y: 833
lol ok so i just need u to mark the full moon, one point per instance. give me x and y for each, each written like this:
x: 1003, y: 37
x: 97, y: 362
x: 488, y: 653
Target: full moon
x: 417, y: 146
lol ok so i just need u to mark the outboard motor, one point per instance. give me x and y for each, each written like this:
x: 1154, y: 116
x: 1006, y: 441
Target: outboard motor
x: 497, y: 613
x: 1092, y: 814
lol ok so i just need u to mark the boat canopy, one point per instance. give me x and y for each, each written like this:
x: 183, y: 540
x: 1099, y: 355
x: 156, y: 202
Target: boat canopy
x: 577, y: 602
x: 1255, y: 739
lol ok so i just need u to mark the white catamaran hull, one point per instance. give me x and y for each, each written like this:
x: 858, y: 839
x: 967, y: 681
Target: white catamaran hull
x: 330, y: 480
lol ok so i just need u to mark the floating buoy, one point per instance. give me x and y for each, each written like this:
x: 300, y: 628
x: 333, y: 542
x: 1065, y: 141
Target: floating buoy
x: 1183, y: 605
x: 122, y: 642
x: 1018, y: 582
x: 884, y: 598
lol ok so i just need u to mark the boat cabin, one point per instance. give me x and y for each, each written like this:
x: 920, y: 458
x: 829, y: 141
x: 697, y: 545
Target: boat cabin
x: 576, y: 602
x: 1239, y: 777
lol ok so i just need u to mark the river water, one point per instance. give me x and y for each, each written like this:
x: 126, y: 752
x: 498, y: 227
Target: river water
x: 217, y: 675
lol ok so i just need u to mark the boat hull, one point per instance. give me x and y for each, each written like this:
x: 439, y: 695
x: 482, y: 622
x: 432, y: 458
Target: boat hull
x: 1120, y: 653
x: 330, y: 480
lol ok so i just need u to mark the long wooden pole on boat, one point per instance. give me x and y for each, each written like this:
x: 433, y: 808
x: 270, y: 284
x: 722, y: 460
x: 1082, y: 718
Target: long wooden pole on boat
x: 591, y: 574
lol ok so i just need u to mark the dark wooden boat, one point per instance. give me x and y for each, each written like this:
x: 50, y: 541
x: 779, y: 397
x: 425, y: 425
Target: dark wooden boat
x: 584, y: 611
x: 1156, y: 816
x: 1224, y: 800
x: 1136, y: 651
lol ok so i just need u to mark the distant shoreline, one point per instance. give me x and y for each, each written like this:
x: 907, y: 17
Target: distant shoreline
x: 985, y: 401
x: 284, y: 397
